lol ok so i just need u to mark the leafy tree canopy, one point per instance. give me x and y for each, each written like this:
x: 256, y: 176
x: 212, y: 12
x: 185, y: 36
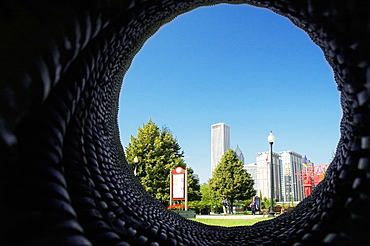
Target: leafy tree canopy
x: 230, y: 180
x: 153, y: 154
x: 194, y: 192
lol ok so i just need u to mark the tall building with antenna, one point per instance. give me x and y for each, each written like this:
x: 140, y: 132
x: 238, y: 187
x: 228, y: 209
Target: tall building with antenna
x: 220, y: 142
x: 239, y: 154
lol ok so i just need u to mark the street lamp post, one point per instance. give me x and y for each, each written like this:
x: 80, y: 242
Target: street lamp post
x: 271, y: 139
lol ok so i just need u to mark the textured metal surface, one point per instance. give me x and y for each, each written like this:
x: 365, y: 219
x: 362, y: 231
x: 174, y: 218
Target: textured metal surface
x: 63, y: 177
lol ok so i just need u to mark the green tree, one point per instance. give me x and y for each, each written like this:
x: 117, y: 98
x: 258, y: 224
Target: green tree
x: 152, y: 155
x: 206, y: 195
x: 266, y: 203
x: 230, y: 180
x: 208, y: 199
x: 194, y: 193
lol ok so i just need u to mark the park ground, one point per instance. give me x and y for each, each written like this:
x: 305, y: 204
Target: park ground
x: 230, y: 220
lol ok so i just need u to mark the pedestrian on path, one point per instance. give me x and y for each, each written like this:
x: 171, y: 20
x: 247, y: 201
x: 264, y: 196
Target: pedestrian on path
x: 254, y: 206
x: 224, y: 205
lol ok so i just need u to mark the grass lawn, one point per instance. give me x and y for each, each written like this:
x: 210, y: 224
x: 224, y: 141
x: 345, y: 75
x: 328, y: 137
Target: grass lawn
x: 230, y: 222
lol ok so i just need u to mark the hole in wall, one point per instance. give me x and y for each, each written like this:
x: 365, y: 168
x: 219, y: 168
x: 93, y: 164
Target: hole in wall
x: 242, y: 65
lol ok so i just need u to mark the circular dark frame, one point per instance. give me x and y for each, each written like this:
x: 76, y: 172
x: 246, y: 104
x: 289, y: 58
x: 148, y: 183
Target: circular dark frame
x: 64, y: 179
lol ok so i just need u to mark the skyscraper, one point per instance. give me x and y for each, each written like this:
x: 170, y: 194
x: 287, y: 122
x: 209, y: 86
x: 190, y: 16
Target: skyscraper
x: 263, y: 174
x: 252, y: 169
x: 220, y: 142
x: 292, y: 186
x: 288, y: 186
x: 239, y: 154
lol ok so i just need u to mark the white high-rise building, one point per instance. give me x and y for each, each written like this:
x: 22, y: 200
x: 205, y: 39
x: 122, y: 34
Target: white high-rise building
x: 220, y: 142
x: 263, y: 174
x: 292, y: 187
x: 288, y: 185
x: 252, y: 169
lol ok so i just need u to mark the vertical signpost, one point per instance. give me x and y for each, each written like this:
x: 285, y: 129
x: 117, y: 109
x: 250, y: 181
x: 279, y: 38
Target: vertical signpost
x: 178, y: 186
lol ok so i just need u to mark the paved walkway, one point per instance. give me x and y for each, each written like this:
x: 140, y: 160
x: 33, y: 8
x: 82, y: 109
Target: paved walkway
x: 228, y: 216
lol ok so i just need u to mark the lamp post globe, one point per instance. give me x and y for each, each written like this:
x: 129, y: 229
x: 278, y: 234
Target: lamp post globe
x: 271, y: 140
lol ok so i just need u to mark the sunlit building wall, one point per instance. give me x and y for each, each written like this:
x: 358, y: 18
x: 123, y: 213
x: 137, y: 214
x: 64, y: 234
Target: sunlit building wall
x: 263, y: 175
x: 220, y: 142
x: 292, y: 187
x: 252, y: 170
x: 239, y: 154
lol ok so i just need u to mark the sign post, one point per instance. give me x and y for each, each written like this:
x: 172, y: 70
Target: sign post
x: 179, y: 186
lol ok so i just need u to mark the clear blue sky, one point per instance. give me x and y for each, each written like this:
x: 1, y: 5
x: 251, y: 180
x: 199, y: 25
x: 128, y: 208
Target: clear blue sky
x: 245, y: 66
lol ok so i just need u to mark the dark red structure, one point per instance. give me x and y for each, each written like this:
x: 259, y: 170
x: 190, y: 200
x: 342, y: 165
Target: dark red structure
x: 312, y: 176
